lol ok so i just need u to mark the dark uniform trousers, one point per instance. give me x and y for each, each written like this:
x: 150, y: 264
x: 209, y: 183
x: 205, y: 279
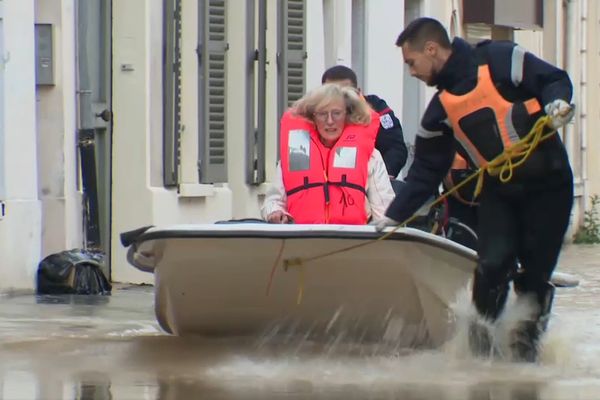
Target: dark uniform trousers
x: 524, y: 220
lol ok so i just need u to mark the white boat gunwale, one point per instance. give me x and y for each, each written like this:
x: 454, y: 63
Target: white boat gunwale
x: 279, y: 232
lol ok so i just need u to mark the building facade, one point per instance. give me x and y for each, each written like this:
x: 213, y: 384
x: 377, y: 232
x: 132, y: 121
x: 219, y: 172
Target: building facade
x: 121, y: 114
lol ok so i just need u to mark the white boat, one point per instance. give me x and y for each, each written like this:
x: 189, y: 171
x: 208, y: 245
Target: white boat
x: 245, y: 279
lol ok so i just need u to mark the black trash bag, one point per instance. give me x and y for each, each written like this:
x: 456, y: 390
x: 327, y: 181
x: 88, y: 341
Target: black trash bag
x: 73, y: 271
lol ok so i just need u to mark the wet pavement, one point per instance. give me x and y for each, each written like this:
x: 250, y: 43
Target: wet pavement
x: 100, y: 348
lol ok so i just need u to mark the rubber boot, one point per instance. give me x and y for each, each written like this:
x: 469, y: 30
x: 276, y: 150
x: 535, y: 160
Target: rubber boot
x: 489, y: 299
x: 525, y: 337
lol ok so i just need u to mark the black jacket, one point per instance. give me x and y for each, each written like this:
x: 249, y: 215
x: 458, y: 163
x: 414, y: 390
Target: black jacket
x: 390, y: 140
x: 518, y: 75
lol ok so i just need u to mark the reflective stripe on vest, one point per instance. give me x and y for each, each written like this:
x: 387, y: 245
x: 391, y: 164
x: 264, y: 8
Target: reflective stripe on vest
x: 326, y: 185
x: 484, y: 122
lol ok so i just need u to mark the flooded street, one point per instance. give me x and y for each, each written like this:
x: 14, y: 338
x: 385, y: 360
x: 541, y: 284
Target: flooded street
x: 104, y: 348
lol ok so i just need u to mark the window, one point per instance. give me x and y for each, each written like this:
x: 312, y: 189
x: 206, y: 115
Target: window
x: 291, y: 59
x: 171, y: 91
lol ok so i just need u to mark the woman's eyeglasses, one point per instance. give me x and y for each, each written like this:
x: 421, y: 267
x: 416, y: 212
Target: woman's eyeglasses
x: 336, y: 115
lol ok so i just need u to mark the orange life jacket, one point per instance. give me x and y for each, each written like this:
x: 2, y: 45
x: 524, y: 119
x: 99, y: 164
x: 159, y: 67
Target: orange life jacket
x: 326, y: 185
x: 484, y: 122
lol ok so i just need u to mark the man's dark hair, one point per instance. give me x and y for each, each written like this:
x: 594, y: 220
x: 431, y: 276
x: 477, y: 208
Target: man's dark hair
x: 339, y: 73
x: 422, y: 30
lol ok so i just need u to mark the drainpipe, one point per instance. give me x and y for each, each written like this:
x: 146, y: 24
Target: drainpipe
x: 558, y: 35
x: 571, y: 59
x: 456, y: 19
x: 583, y: 100
x: 571, y: 54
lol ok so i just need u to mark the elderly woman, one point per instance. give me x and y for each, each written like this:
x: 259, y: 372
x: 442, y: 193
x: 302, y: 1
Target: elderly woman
x: 330, y: 171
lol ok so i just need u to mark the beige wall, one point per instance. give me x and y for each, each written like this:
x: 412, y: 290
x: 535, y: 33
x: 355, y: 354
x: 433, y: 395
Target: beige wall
x: 20, y: 227
x: 570, y: 38
x: 245, y: 201
x: 138, y: 195
x: 56, y: 134
x: 132, y: 199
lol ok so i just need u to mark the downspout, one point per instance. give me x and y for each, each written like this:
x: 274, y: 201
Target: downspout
x: 3, y: 60
x: 583, y: 101
x: 571, y: 59
x: 558, y: 35
x: 456, y: 19
x: 570, y: 66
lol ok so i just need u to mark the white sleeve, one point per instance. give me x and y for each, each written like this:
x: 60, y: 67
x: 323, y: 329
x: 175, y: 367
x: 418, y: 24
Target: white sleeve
x: 379, y: 188
x: 275, y: 198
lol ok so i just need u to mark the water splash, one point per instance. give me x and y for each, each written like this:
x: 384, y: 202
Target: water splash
x: 555, y: 348
x: 346, y: 333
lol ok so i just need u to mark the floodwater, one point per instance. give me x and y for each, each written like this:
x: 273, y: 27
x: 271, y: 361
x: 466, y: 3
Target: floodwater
x: 101, y: 348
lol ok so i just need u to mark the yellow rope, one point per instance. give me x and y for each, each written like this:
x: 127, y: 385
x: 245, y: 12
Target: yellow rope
x: 300, y: 286
x: 275, y: 264
x: 501, y: 166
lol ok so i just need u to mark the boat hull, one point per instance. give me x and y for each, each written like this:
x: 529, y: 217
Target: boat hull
x: 233, y: 280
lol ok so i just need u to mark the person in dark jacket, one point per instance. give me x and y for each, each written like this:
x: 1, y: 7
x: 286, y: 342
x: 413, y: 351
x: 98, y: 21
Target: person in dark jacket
x: 390, y: 140
x: 461, y: 205
x: 488, y: 97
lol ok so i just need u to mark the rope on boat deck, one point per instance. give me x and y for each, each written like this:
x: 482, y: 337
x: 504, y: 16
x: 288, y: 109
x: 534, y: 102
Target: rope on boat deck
x: 275, y: 264
x: 502, y: 166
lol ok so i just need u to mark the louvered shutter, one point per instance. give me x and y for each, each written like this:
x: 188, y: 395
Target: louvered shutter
x: 292, y: 52
x: 212, y: 113
x: 256, y: 79
x: 171, y: 91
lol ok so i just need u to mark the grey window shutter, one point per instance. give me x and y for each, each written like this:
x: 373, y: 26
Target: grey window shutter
x: 291, y: 58
x: 212, y: 57
x: 359, y: 16
x: 171, y: 91
x: 256, y: 78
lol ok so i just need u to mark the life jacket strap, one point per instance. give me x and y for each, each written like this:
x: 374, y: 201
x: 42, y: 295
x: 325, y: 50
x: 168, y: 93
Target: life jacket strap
x: 306, y: 185
x: 343, y: 183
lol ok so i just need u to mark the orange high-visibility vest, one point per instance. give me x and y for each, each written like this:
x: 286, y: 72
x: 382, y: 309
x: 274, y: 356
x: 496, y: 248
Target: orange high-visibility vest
x: 484, y: 122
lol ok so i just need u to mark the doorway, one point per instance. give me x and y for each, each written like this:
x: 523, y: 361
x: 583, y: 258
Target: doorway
x: 94, y: 80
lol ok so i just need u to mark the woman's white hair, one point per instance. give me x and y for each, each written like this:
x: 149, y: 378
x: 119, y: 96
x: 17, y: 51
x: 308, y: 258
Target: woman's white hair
x: 357, y: 109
